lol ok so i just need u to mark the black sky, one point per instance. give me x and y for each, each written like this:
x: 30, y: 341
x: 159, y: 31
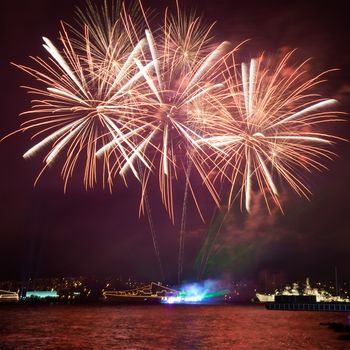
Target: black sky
x: 44, y: 232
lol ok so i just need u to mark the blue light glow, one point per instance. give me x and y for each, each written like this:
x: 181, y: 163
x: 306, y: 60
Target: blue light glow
x: 196, y: 293
x: 41, y: 294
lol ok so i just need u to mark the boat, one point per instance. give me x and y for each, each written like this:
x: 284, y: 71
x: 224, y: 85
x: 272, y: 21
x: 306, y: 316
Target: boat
x: 321, y: 296
x: 8, y: 296
x: 269, y: 298
x: 153, y: 293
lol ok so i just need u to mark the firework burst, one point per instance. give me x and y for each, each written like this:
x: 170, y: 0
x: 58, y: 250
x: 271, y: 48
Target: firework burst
x: 183, y: 82
x: 169, y: 100
x: 86, y: 103
x: 270, y: 127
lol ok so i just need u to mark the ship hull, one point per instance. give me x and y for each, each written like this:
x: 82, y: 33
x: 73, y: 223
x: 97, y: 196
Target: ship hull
x: 9, y: 300
x: 334, y: 307
x: 265, y: 298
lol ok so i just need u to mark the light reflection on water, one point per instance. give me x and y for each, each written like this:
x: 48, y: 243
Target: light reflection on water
x: 165, y: 327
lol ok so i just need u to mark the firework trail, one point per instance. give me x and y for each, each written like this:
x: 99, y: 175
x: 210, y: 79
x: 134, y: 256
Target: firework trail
x: 271, y: 126
x: 185, y: 81
x: 152, y: 226
x: 183, y: 224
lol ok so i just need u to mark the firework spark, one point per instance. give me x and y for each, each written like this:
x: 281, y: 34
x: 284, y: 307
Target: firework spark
x: 86, y: 103
x: 184, y: 80
x: 271, y: 127
x: 169, y: 100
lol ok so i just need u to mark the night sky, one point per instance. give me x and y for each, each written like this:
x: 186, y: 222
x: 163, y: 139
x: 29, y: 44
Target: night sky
x: 45, y: 232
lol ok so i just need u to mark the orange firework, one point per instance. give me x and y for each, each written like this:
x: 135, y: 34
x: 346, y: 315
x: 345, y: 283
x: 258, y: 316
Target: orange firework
x: 86, y: 102
x: 184, y: 81
x: 168, y: 100
x: 270, y: 126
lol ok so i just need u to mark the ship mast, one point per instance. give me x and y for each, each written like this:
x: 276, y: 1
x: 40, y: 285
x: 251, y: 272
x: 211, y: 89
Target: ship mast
x: 336, y: 281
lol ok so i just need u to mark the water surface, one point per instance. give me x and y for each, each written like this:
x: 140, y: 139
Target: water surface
x: 165, y: 327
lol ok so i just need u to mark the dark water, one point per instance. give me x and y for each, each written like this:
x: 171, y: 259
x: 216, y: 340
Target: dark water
x: 165, y: 327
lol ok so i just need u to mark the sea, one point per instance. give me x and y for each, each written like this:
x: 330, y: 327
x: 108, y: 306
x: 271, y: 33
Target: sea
x: 166, y: 327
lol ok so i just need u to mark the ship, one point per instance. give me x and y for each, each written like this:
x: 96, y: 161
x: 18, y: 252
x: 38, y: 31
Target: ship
x: 8, y: 296
x: 321, y: 296
x: 151, y: 293
x: 310, y: 299
x: 270, y: 298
